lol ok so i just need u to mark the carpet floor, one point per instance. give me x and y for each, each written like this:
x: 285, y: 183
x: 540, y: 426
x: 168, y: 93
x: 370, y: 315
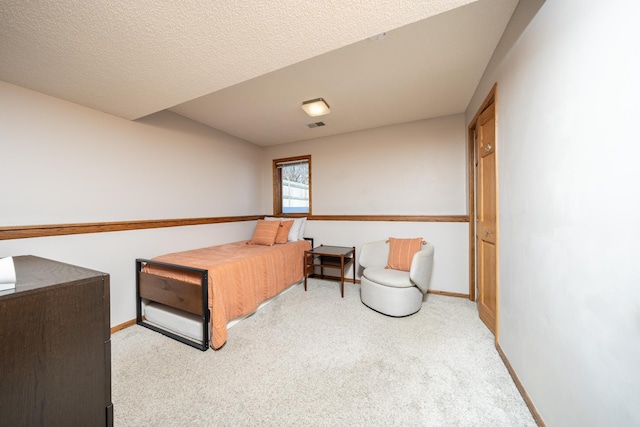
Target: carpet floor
x: 315, y: 359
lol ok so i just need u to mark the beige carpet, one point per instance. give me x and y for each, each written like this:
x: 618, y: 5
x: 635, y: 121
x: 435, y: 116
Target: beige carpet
x: 315, y: 359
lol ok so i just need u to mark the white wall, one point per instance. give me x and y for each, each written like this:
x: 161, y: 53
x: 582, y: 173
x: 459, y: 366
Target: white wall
x: 115, y: 253
x: 70, y: 164
x: 568, y: 153
x: 451, y: 266
x: 417, y: 168
x: 63, y: 163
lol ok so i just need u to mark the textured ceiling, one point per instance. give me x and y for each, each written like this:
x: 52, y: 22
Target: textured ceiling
x: 426, y: 69
x: 132, y: 59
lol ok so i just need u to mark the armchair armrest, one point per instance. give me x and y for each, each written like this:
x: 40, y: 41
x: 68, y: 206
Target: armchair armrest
x: 421, y: 267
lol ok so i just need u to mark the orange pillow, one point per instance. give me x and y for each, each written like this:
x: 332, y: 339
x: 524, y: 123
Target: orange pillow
x: 265, y: 232
x: 401, y: 252
x: 283, y: 231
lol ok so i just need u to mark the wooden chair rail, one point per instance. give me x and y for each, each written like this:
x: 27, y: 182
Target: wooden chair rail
x: 29, y: 231
x: 48, y: 230
x: 396, y: 218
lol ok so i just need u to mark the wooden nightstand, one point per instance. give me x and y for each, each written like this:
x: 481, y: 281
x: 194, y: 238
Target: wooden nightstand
x: 336, y: 257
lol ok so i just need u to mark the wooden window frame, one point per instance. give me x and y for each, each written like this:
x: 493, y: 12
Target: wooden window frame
x: 277, y: 186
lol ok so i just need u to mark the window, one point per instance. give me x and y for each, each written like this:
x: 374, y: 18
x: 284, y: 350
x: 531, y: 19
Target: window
x: 292, y: 186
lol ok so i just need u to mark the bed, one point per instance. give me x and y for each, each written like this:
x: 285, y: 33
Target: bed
x: 191, y: 296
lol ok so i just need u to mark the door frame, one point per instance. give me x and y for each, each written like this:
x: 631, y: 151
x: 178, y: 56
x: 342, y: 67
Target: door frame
x: 491, y: 98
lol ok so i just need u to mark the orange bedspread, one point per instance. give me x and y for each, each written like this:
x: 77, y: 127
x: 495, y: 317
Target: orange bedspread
x: 241, y: 276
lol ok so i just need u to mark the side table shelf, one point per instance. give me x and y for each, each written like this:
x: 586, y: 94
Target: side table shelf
x: 336, y: 257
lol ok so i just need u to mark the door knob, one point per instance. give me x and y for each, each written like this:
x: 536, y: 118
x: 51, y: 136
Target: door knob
x: 487, y: 148
x: 487, y: 232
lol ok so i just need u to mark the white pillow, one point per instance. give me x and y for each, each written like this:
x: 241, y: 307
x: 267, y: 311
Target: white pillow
x: 295, y: 232
x: 303, y: 225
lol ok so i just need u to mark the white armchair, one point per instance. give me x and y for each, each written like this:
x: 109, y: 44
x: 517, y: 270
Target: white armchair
x: 394, y: 292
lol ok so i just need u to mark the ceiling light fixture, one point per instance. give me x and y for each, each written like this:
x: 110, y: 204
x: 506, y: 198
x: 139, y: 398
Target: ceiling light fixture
x: 316, y: 107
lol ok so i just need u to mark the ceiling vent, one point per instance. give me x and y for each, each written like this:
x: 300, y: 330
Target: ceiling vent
x: 315, y: 125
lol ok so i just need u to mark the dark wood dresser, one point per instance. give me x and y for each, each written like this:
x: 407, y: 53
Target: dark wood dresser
x: 55, y: 348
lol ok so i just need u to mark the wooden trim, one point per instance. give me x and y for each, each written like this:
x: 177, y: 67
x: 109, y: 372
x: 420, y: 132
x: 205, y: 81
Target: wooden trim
x: 471, y: 171
x: 332, y: 278
x: 310, y: 187
x: 399, y: 218
x: 277, y: 184
x: 488, y: 100
x: 347, y: 279
x: 122, y: 326
x: 30, y: 231
x: 48, y: 230
x: 534, y: 412
x: 471, y: 146
x: 277, y: 188
x: 448, y: 294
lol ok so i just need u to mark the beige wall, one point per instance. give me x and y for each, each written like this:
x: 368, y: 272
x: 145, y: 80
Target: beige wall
x: 569, y: 294
x: 417, y: 168
x: 568, y: 152
x: 73, y: 164
x: 451, y: 267
x: 63, y: 163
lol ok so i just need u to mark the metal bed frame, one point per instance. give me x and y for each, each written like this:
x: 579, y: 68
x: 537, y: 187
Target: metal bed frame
x: 165, y: 290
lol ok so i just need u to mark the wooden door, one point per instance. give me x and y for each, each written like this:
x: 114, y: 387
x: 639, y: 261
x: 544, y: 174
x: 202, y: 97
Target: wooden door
x: 486, y: 218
